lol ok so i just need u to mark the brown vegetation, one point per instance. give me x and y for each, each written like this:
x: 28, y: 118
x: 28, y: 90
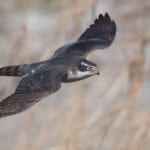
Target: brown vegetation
x: 109, y: 112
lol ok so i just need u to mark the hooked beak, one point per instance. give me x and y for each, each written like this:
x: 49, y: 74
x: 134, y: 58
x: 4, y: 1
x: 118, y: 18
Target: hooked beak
x: 96, y: 70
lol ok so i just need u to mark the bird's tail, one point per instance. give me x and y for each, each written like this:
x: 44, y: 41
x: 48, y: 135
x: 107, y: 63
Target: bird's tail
x: 17, y: 70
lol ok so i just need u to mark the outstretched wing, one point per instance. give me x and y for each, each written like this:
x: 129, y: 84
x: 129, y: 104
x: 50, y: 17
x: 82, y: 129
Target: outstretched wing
x: 103, y: 29
x: 98, y: 36
x: 29, y: 91
x: 17, y: 103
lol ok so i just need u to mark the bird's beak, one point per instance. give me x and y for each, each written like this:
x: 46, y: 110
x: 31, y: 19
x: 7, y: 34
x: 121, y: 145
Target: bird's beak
x: 96, y: 70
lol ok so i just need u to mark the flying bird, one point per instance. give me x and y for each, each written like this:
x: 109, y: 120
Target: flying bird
x: 68, y: 64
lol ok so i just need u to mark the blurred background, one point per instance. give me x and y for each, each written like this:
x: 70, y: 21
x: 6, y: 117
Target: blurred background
x: 106, y: 112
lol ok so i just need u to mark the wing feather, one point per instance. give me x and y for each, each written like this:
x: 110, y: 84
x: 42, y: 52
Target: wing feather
x: 98, y: 36
x: 103, y: 28
x: 31, y: 89
x: 17, y: 103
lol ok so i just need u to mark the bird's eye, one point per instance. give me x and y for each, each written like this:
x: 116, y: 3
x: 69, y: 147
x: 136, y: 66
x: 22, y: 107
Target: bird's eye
x: 88, y: 68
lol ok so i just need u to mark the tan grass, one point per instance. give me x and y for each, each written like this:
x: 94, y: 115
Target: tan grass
x: 96, y: 114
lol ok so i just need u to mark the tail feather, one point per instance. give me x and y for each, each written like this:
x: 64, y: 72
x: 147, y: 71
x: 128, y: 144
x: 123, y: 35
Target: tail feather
x: 19, y: 70
x: 12, y: 71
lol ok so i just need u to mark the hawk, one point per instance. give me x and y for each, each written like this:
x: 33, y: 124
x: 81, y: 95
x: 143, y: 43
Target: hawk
x: 68, y: 64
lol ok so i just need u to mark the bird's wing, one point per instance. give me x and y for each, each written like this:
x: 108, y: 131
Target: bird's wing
x: 19, y: 70
x: 29, y: 91
x: 103, y: 28
x: 98, y: 36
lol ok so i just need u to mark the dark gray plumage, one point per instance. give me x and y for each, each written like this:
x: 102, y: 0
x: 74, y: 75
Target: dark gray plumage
x: 68, y: 64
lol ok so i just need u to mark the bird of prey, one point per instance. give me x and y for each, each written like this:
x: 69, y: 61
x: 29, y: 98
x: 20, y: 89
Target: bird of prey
x: 67, y: 64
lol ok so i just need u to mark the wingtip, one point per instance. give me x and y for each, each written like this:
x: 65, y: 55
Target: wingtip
x: 103, y: 23
x: 100, y: 17
x: 107, y: 16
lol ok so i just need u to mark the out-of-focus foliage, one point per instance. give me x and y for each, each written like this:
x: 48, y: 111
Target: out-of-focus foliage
x: 108, y: 112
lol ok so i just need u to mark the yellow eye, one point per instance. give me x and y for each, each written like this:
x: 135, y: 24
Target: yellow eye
x: 88, y: 68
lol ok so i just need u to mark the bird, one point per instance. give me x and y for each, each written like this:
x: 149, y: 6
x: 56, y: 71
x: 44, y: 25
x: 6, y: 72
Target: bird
x: 69, y: 63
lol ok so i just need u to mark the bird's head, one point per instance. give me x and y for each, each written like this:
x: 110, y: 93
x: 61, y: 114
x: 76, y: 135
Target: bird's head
x: 84, y: 69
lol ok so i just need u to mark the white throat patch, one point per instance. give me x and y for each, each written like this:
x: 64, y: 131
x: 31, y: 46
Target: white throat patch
x: 78, y: 74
